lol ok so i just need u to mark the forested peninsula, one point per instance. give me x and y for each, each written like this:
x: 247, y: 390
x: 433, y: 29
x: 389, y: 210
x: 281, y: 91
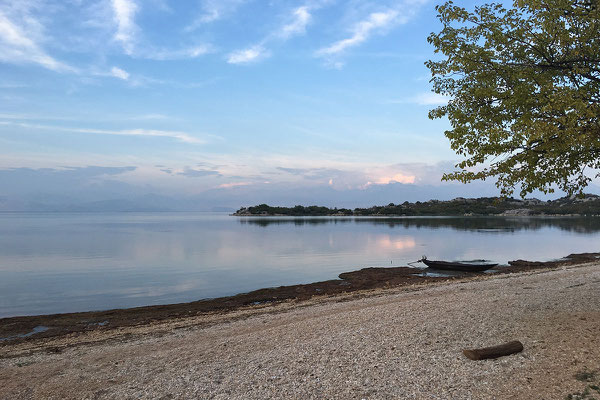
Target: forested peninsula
x: 585, y: 205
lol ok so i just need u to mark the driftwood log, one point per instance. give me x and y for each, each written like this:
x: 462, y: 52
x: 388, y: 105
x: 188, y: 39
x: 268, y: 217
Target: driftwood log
x: 495, y: 351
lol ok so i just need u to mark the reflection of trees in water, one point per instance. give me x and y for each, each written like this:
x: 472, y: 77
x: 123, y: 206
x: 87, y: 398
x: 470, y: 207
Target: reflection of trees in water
x: 293, y: 221
x: 483, y: 224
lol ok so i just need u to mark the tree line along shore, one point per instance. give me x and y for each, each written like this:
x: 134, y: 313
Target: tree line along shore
x: 584, y: 205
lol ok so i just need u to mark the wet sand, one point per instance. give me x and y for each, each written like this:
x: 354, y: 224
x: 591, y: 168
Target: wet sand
x: 396, y: 342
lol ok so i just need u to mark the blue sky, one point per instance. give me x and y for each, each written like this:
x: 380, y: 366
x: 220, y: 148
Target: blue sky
x: 184, y: 97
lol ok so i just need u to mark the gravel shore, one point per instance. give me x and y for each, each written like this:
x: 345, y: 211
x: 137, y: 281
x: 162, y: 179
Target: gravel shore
x: 402, y: 343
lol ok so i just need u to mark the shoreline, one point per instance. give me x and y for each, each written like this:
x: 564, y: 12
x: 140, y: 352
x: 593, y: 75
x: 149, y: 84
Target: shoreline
x: 397, y: 342
x: 399, y: 216
x: 584, y: 205
x: 23, y: 329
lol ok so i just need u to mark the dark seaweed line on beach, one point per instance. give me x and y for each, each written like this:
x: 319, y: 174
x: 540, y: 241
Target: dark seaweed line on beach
x: 18, y: 329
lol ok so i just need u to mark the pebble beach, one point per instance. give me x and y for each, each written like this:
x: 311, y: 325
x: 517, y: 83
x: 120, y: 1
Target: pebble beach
x: 403, y: 342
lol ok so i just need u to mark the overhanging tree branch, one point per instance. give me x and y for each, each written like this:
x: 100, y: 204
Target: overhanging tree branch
x: 524, y: 87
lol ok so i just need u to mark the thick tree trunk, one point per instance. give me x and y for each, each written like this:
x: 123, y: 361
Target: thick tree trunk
x: 495, y: 351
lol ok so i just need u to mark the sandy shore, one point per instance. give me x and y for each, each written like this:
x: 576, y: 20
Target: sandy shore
x: 388, y: 343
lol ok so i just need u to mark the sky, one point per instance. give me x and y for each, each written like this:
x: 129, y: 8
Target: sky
x: 220, y: 103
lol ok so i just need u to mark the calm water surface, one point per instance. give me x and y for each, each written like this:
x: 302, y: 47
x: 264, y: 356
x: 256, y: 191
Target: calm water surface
x: 51, y: 263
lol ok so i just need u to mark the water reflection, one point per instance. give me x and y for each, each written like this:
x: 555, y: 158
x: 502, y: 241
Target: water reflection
x: 61, y: 262
x: 479, y: 224
x: 386, y: 242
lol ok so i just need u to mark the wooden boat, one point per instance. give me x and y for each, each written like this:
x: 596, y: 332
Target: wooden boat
x: 457, y: 266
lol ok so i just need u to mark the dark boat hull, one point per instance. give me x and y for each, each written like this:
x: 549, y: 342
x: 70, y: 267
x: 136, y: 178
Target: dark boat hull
x: 456, y: 266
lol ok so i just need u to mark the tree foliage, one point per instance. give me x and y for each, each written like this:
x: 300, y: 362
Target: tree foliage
x: 524, y: 92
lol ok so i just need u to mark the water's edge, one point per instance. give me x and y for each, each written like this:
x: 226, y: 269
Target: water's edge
x: 18, y: 329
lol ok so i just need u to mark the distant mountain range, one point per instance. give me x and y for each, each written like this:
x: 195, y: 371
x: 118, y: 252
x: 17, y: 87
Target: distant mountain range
x: 48, y: 195
x: 587, y: 205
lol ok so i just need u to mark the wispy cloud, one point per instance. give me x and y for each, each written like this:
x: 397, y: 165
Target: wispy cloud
x: 113, y: 117
x: 128, y: 36
x: 249, y: 55
x: 213, y: 10
x: 387, y: 179
x: 18, y: 47
x: 377, y: 22
x: 177, y: 135
x: 431, y: 99
x: 361, y: 32
x: 114, y: 72
x: 233, y: 185
x: 168, y: 54
x: 119, y: 73
x: 347, y: 176
x: 33, y: 117
x: 198, y: 172
x: 150, y: 117
x: 124, y: 16
x: 296, y: 25
x: 312, y: 173
x: 300, y: 19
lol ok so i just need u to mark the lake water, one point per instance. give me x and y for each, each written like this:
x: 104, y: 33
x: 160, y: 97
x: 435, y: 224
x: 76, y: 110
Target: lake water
x: 51, y: 263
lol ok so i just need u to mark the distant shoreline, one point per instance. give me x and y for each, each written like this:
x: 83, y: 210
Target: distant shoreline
x: 587, y: 205
x: 416, y: 216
